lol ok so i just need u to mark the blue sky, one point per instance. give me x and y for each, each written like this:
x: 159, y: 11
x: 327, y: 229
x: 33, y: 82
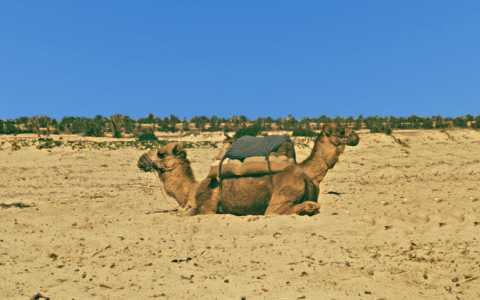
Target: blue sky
x: 252, y: 58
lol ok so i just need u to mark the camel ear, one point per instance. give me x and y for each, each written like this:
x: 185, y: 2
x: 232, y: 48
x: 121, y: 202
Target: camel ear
x: 327, y: 129
x: 178, y: 151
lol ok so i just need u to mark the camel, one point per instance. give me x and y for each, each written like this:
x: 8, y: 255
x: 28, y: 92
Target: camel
x: 173, y: 169
x: 294, y: 190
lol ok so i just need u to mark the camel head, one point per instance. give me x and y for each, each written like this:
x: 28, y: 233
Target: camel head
x: 340, y: 136
x: 165, y: 159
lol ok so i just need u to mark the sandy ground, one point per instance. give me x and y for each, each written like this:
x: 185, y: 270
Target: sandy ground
x: 404, y: 225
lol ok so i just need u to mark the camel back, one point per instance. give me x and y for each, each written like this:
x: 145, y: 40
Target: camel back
x: 254, y: 156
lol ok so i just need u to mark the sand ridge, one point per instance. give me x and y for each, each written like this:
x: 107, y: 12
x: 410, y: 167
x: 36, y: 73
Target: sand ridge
x: 396, y: 223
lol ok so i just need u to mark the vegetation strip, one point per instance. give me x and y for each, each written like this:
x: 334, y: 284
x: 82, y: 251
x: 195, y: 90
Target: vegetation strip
x: 119, y: 125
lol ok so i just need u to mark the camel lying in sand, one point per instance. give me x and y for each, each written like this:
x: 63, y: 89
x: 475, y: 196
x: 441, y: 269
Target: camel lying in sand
x: 294, y: 190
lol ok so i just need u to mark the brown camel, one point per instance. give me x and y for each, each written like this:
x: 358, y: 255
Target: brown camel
x: 172, y: 167
x: 294, y: 190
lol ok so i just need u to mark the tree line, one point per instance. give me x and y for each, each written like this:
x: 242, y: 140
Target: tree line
x: 118, y: 125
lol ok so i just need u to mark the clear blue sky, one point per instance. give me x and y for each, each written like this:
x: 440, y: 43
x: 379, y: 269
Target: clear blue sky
x: 256, y: 58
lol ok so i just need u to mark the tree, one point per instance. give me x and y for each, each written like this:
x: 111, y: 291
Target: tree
x: 448, y: 122
x: 129, y: 124
x: 268, y: 123
x: 438, y: 120
x: 414, y: 121
x: 242, y: 119
x: 290, y: 123
x: 358, y: 122
x: 2, y: 130
x: 162, y: 123
x: 280, y: 122
x: 150, y: 119
x: 185, y: 123
x: 339, y: 120
x: 427, y: 123
x: 235, y: 122
x: 459, y: 122
x: 200, y: 122
x: 174, y: 120
x: 10, y: 127
x: 324, y: 119
x: 95, y: 127
x: 305, y: 123
x: 73, y: 125
x: 117, y: 125
x: 22, y: 124
x: 214, y: 123
x: 252, y: 131
x: 35, y: 125
x: 393, y: 122
x: 45, y: 122
x: 469, y: 119
x: 477, y: 122
x: 350, y: 122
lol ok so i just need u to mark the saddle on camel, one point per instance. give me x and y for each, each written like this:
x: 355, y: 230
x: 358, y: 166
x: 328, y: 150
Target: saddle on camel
x: 253, y: 156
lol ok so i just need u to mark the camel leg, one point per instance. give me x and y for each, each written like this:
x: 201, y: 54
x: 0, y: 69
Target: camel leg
x: 209, y: 207
x: 283, y: 202
x: 188, y: 211
x: 293, y: 194
x: 207, y: 197
x: 307, y: 208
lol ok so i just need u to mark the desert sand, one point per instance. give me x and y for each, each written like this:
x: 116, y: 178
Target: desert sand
x: 396, y: 223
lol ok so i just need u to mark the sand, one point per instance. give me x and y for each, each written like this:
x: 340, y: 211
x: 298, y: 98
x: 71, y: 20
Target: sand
x: 395, y: 223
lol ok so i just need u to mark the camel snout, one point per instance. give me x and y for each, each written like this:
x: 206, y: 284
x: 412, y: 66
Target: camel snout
x: 148, y: 161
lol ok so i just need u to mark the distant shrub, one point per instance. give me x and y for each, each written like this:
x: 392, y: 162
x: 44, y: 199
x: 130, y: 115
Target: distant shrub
x: 252, y: 131
x: 148, y: 136
x: 303, y: 132
x: 381, y: 128
x: 48, y: 143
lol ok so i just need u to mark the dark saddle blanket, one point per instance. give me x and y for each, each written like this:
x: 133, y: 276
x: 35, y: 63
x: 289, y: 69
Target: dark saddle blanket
x: 250, y: 156
x: 248, y: 146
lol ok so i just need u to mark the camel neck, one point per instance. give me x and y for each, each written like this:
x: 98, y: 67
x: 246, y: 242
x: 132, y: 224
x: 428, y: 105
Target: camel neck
x: 179, y: 183
x: 323, y: 157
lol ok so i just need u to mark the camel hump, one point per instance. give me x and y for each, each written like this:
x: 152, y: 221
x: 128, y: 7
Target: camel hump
x: 248, y: 155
